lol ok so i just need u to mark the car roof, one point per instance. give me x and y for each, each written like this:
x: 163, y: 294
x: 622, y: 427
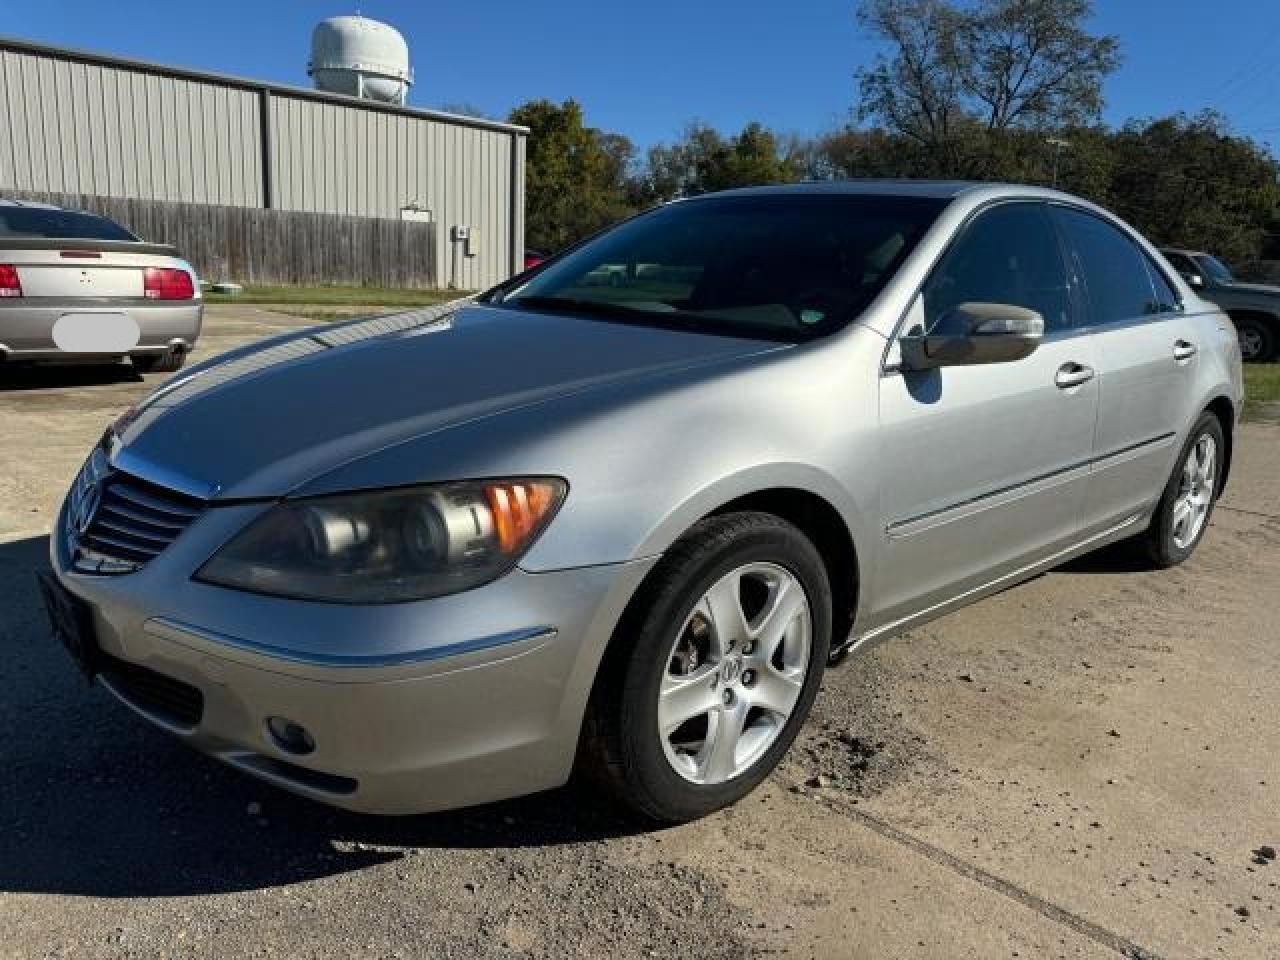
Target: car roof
x: 6, y: 202
x: 940, y: 189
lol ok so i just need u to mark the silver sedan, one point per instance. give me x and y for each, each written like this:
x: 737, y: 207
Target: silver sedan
x: 437, y: 559
x: 77, y: 286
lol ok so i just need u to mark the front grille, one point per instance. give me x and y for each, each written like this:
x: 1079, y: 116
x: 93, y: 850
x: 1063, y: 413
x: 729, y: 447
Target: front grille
x: 169, y: 699
x: 132, y: 522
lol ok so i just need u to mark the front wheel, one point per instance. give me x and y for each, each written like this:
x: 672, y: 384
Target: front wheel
x: 1187, y: 503
x: 718, y: 667
x: 1257, y: 340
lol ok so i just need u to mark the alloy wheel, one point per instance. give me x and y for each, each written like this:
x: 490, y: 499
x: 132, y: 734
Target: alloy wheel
x: 1195, y: 492
x: 735, y: 673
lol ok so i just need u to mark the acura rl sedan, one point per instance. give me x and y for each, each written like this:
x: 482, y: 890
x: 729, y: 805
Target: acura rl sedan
x: 444, y: 557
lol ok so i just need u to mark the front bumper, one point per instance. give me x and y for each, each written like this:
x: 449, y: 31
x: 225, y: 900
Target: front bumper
x: 412, y: 707
x: 26, y: 326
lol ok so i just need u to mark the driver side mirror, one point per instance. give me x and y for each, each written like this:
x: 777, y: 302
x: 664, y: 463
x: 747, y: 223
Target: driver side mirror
x: 985, y: 333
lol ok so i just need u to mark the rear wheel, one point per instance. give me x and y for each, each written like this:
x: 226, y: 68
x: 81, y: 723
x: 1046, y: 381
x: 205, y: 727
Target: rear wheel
x: 718, y: 668
x: 166, y: 362
x: 1187, y: 504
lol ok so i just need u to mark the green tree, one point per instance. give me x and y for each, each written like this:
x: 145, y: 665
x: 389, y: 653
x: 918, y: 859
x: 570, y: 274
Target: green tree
x: 1189, y: 181
x: 703, y: 160
x: 958, y: 79
x: 576, y: 177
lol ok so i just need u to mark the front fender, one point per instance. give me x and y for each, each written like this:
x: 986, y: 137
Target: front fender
x: 753, y: 480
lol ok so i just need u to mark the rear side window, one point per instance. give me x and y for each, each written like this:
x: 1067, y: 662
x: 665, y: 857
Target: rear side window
x: 58, y: 225
x: 1009, y: 254
x: 1167, y: 299
x: 1112, y: 270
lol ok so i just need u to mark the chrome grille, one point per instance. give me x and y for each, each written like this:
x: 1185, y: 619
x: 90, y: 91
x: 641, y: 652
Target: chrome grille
x: 116, y: 523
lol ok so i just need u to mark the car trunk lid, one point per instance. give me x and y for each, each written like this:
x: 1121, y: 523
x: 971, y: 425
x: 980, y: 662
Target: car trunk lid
x: 78, y: 269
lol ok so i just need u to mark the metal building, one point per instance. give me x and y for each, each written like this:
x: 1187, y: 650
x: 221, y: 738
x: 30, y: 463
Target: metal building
x: 78, y: 122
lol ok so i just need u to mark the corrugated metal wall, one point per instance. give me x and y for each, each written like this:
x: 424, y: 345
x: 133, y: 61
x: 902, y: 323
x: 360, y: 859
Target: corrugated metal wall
x: 79, y: 123
x: 82, y: 128
x: 329, y: 158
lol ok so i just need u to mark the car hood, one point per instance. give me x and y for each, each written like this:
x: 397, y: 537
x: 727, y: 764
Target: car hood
x: 1262, y: 288
x: 262, y: 420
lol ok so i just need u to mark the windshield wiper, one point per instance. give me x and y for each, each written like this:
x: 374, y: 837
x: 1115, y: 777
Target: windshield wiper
x: 670, y: 320
x: 580, y: 305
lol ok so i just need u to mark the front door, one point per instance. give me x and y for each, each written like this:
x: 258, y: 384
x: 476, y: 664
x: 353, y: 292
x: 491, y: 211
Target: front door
x: 986, y: 466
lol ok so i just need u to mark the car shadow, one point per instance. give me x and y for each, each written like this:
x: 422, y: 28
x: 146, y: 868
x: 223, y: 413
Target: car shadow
x: 1118, y: 558
x: 15, y: 377
x: 95, y: 802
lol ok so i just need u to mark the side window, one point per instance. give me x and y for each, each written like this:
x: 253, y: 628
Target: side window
x: 1110, y: 266
x: 1167, y: 299
x: 1009, y: 254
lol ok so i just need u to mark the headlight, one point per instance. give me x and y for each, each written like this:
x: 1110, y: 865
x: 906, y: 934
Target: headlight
x: 388, y: 546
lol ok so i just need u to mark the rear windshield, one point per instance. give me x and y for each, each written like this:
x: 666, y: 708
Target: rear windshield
x: 58, y: 225
x: 790, y: 267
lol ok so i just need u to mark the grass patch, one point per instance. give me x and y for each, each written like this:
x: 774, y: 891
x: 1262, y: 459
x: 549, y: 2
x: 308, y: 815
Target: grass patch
x: 337, y: 296
x: 1262, y: 391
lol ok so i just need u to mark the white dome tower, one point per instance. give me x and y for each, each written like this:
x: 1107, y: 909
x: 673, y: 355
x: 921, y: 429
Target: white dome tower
x: 361, y: 58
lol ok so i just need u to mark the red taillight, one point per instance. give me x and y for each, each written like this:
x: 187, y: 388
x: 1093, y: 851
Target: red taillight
x: 10, y: 285
x: 167, y: 283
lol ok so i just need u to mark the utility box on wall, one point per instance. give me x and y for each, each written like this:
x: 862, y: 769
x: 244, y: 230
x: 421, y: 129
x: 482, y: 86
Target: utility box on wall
x: 469, y: 237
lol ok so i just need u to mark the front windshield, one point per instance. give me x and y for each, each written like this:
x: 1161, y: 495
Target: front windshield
x: 1215, y: 268
x: 783, y: 266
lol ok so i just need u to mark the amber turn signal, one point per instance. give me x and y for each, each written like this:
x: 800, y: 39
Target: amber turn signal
x: 519, y: 510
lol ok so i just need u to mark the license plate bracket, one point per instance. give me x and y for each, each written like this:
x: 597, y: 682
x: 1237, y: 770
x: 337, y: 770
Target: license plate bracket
x: 72, y: 623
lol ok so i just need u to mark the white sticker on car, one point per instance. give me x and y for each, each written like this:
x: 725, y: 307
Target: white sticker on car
x: 96, y: 333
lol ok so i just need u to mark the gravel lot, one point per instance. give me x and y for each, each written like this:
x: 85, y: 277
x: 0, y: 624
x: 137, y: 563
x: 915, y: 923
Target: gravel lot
x: 1083, y: 766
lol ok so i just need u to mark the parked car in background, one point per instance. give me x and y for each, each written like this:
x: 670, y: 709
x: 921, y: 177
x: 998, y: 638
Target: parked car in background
x: 1254, y: 308
x: 533, y: 257
x: 629, y: 524
x: 77, y: 286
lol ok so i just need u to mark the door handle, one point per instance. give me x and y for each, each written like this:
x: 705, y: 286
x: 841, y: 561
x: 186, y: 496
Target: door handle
x: 1072, y: 375
x: 1184, y: 350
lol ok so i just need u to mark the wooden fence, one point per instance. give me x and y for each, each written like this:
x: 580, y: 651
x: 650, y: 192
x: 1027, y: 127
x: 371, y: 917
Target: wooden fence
x: 252, y: 245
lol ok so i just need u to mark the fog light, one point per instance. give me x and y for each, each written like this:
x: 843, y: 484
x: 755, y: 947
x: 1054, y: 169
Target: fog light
x: 289, y: 736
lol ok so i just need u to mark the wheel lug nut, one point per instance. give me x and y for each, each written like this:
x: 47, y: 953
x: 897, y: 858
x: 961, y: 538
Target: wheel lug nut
x: 748, y: 677
x: 747, y: 648
x: 728, y: 698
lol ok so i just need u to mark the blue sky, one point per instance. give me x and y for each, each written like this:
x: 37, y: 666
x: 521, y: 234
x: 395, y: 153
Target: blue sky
x: 646, y: 69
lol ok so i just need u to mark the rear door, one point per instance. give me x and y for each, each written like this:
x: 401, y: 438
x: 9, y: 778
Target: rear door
x: 1146, y: 357
x: 985, y: 467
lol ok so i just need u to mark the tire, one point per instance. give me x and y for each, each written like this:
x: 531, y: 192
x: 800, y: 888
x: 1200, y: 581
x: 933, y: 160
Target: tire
x: 168, y: 362
x: 1257, y: 339
x: 1161, y: 544
x: 669, y: 636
